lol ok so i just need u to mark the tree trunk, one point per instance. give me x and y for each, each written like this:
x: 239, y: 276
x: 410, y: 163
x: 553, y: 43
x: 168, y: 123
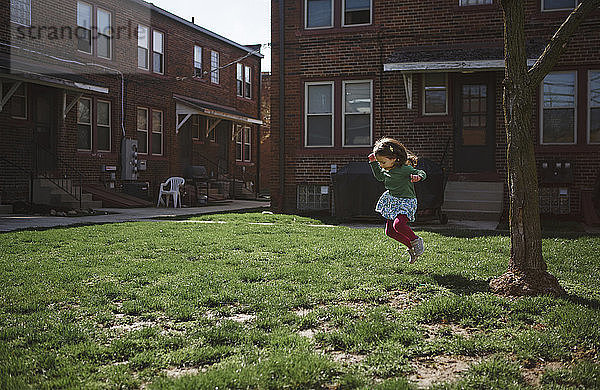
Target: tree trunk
x: 526, y: 274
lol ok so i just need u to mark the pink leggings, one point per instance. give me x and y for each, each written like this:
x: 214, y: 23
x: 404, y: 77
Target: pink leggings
x: 399, y: 230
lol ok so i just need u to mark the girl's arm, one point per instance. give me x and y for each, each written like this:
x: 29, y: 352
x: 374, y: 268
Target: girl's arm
x: 419, y: 173
x: 377, y: 171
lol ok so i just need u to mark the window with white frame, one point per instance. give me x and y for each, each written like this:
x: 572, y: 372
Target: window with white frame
x: 142, y: 130
x: 474, y: 2
x: 18, y: 101
x: 158, y: 57
x: 143, y: 47
x: 20, y: 12
x: 84, y: 27
x: 84, y: 124
x: 212, y: 134
x: 554, y: 5
x: 103, y: 126
x: 247, y: 143
x: 243, y: 143
x: 157, y: 132
x: 214, y: 67
x: 318, y: 114
x: 248, y: 83
x: 356, y: 12
x: 318, y: 13
x: 104, y: 38
x: 197, y: 61
x: 594, y: 107
x: 357, y: 108
x: 558, y: 108
x: 240, y: 79
x: 435, y: 94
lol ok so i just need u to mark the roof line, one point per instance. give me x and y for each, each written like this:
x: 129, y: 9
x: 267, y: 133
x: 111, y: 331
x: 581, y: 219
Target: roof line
x: 196, y: 27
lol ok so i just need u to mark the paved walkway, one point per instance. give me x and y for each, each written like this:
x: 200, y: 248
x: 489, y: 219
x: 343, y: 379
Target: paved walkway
x: 12, y: 222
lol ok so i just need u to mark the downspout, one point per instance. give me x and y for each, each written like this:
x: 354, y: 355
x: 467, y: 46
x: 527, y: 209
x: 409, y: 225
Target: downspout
x: 259, y: 132
x: 281, y: 105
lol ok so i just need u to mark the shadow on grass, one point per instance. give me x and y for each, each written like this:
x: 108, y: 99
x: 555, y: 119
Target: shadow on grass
x: 583, y: 301
x: 458, y: 284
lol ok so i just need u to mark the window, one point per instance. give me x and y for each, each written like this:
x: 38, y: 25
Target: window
x: 197, y: 61
x: 319, y: 114
x: 157, y: 52
x: 312, y: 197
x: 142, y: 130
x: 248, y: 83
x: 84, y: 27
x: 357, y: 12
x: 243, y: 143
x: 474, y: 2
x: 157, y: 132
x: 558, y: 116
x: 356, y: 129
x: 319, y: 13
x: 594, y: 108
x: 103, y: 126
x: 214, y: 67
x: 18, y: 101
x: 84, y: 124
x: 240, y: 79
x: 196, y: 127
x: 104, y: 40
x: 143, y: 47
x: 551, y: 5
x: 435, y: 101
x: 20, y: 12
x: 211, y: 124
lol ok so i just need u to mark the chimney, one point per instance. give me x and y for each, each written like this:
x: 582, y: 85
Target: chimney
x: 192, y: 20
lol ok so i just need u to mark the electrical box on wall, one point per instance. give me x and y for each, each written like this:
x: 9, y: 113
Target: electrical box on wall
x: 556, y: 172
x: 129, y: 159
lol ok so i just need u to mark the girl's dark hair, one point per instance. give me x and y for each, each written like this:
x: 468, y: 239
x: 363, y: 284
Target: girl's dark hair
x: 390, y: 148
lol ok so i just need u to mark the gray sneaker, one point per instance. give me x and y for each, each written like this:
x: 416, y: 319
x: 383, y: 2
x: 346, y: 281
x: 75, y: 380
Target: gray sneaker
x: 418, y: 246
x: 412, y: 255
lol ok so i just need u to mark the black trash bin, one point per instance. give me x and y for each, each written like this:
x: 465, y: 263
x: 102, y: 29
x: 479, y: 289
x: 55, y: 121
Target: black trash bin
x: 430, y: 192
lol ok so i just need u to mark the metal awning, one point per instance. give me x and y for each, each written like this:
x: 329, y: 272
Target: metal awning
x: 189, y: 106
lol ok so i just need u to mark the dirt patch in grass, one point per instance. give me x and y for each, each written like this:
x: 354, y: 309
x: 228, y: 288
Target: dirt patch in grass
x: 402, y: 300
x: 440, y: 330
x: 178, y: 372
x: 533, y: 375
x: 345, y: 358
x: 438, y: 369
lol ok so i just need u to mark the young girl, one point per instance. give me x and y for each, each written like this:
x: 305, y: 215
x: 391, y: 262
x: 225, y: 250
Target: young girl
x: 393, y: 164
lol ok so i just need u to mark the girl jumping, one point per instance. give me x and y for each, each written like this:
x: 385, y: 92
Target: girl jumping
x: 392, y: 164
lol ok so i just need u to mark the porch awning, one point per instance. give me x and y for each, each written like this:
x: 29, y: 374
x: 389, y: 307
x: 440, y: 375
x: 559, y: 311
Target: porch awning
x: 18, y: 68
x: 188, y: 106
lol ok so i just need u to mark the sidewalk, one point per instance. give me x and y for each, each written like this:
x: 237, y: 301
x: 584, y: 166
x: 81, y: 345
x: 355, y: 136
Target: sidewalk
x: 11, y: 222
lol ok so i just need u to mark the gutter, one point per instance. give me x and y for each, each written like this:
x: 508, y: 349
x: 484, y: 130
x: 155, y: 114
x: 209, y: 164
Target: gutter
x: 281, y: 105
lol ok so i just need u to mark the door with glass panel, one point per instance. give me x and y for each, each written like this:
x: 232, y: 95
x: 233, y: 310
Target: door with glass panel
x: 474, y: 123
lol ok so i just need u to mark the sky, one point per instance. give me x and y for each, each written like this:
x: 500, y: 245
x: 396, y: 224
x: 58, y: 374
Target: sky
x: 246, y: 22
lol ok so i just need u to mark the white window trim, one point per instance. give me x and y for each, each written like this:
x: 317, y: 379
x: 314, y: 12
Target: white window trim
x: 110, y: 37
x: 90, y: 124
x: 154, y: 31
x: 344, y: 83
x: 356, y: 25
x: 589, y: 107
x: 214, y: 72
x: 423, y: 98
x: 239, y: 142
x: 147, y: 130
x: 249, y: 83
x: 161, y: 132
x: 247, y: 141
x: 306, y: 17
x: 237, y: 78
x: 109, y: 124
x: 556, y: 9
x: 90, y: 28
x: 148, y: 32
x: 19, y: 23
x: 197, y: 61
x: 541, y: 113
x: 306, y: 114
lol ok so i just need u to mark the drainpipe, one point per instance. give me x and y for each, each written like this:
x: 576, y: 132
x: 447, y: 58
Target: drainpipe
x: 258, y: 133
x: 281, y: 105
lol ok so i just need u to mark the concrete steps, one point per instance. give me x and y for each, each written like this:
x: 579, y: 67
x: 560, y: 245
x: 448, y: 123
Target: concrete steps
x: 468, y: 200
x: 49, y: 193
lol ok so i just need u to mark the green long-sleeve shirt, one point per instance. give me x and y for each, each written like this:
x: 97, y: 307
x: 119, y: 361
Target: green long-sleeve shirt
x: 397, y: 179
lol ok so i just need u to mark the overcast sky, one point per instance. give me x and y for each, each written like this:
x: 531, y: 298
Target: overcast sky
x: 246, y: 22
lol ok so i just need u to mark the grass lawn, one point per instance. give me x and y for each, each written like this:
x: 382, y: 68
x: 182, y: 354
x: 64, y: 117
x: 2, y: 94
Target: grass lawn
x: 265, y: 301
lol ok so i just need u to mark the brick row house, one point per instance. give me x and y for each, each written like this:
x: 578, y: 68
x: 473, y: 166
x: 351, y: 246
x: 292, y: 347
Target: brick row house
x: 85, y: 83
x: 429, y: 73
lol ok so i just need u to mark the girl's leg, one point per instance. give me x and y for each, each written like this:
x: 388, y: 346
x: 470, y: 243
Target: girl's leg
x: 390, y: 231
x: 400, y: 225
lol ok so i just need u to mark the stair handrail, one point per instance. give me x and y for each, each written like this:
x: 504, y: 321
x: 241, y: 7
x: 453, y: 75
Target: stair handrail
x: 63, y: 167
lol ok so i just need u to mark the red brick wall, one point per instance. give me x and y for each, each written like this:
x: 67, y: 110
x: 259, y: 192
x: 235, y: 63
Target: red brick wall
x: 346, y: 53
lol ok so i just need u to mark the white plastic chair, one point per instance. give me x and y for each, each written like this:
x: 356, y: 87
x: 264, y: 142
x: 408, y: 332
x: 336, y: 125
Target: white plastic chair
x: 170, y: 188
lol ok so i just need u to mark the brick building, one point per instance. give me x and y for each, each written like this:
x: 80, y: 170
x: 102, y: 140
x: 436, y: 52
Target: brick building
x: 429, y: 73
x: 79, y: 78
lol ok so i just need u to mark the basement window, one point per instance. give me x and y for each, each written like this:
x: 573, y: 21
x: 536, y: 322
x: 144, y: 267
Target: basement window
x: 312, y: 197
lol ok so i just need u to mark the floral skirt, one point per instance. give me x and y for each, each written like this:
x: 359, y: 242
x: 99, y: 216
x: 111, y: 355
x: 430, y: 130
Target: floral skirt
x: 389, y: 206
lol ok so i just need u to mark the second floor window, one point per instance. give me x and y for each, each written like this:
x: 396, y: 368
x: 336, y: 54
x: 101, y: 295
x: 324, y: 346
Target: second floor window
x: 594, y: 107
x: 214, y: 67
x: 104, y: 33
x: 318, y: 13
x: 319, y: 114
x: 248, y: 83
x: 435, y: 91
x: 157, y: 52
x: 84, y: 27
x: 197, y: 61
x: 20, y: 12
x: 143, y: 47
x: 550, y: 5
x: 558, y: 108
x: 357, y: 12
x: 239, y: 80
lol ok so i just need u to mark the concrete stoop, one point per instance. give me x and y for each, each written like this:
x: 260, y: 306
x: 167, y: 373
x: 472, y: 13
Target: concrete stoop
x: 49, y: 193
x: 477, y: 201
